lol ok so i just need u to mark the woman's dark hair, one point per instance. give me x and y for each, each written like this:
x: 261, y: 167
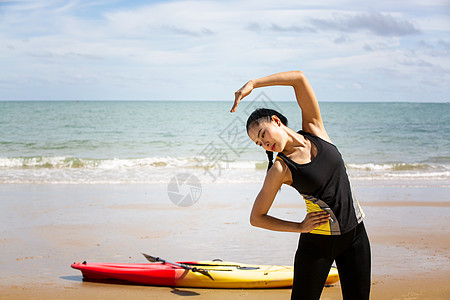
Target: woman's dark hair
x: 265, y: 115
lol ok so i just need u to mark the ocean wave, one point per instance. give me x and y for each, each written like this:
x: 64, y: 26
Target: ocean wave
x: 67, y: 170
x: 397, y: 167
x: 388, y: 171
x: 61, y: 162
x: 64, y: 162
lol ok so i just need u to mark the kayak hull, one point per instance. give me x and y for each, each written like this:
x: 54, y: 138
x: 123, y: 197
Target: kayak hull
x: 225, y: 274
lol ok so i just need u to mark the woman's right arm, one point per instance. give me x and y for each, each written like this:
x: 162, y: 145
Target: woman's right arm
x: 259, y: 216
x: 306, y: 98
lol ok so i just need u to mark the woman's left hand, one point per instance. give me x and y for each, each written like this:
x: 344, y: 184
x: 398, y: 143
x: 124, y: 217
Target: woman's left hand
x: 241, y: 93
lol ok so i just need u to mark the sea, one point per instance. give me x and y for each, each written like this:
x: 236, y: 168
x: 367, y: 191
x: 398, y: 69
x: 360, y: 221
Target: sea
x: 125, y: 142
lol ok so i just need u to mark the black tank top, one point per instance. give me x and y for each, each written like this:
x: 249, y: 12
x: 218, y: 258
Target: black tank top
x: 325, y: 186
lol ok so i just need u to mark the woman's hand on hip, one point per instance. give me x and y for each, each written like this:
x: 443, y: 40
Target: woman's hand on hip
x: 241, y: 93
x: 313, y: 220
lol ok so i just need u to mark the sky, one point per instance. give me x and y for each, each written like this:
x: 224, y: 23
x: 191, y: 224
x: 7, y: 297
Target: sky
x: 350, y: 50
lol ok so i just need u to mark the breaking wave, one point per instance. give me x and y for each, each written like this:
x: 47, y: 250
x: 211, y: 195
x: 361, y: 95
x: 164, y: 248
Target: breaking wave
x: 75, y: 170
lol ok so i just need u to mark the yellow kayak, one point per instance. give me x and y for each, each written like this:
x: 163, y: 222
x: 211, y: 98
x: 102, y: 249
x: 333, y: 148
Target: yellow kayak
x: 219, y: 274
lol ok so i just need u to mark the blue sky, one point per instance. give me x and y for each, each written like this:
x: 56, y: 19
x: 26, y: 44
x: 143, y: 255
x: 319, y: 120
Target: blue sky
x: 350, y: 50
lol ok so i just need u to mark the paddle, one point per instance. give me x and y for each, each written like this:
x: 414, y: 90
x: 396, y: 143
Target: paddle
x: 186, y: 267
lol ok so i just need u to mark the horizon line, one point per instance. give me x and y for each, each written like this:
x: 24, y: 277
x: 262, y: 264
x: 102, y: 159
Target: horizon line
x: 215, y: 100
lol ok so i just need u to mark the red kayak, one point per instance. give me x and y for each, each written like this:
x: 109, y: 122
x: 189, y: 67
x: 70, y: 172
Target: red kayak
x: 204, y: 274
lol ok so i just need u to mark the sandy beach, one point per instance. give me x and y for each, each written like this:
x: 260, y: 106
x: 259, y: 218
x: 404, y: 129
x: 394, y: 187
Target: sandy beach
x: 44, y: 228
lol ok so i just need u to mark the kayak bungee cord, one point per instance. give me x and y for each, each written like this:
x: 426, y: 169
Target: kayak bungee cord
x: 186, y: 267
x: 266, y: 271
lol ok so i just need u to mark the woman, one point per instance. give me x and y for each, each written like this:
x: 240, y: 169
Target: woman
x: 307, y: 160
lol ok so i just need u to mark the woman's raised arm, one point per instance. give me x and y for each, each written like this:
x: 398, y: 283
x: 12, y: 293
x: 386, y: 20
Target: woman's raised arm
x: 306, y: 98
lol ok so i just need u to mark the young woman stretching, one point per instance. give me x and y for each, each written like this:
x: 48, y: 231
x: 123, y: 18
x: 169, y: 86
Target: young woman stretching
x: 333, y: 228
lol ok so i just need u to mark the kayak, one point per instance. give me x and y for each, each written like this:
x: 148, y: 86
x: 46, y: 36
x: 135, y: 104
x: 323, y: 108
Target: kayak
x: 220, y: 274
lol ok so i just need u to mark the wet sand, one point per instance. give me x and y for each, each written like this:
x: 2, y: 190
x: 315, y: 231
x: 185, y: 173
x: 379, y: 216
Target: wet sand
x: 44, y: 228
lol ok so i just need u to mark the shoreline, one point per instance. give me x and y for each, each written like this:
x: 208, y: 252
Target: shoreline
x: 47, y: 227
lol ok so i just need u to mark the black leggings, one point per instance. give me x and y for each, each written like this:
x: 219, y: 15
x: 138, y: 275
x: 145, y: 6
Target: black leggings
x: 316, y: 253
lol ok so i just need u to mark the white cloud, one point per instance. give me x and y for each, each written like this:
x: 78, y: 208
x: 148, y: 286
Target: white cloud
x: 373, y: 21
x: 357, y: 85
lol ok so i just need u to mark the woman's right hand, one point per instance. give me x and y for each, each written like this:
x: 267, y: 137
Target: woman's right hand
x: 313, y: 220
x: 241, y: 93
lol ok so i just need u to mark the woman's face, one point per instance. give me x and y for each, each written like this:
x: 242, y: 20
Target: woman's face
x: 269, y: 135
